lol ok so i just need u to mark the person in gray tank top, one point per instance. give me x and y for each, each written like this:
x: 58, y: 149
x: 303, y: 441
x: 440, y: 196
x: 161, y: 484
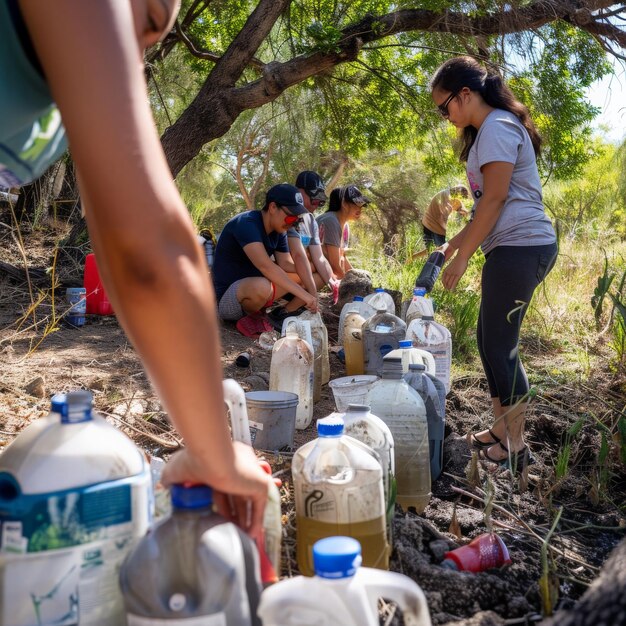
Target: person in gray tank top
x: 499, y: 144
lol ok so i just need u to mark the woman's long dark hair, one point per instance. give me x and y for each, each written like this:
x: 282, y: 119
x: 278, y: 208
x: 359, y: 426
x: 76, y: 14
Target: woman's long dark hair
x: 336, y: 197
x: 461, y: 72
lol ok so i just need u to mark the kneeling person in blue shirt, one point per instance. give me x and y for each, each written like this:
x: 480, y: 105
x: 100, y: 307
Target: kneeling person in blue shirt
x: 246, y: 278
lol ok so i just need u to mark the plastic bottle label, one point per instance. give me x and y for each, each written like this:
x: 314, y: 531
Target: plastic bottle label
x: 62, y: 556
x: 217, y: 619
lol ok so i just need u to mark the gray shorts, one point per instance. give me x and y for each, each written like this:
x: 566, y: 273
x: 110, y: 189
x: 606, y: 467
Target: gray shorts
x: 229, y: 308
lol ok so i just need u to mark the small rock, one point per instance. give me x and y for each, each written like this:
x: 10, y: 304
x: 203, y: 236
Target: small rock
x: 254, y: 383
x: 265, y: 376
x: 36, y: 387
x: 354, y: 283
x: 438, y: 547
x: 99, y: 384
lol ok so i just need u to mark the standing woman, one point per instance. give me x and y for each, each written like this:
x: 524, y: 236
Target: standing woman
x: 499, y: 144
x: 345, y: 205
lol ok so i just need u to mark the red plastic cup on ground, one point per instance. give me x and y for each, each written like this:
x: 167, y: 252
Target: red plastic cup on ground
x: 482, y: 553
x: 97, y: 300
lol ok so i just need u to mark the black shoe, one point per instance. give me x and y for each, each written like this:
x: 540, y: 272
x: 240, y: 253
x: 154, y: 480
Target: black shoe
x: 279, y: 314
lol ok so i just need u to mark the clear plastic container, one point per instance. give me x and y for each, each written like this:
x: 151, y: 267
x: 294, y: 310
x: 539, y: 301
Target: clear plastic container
x: 292, y: 370
x: 435, y: 338
x: 318, y: 326
x: 236, y: 401
x: 338, y: 486
x: 360, y: 423
x: 381, y: 300
x: 411, y: 355
x: 382, y: 333
x: 419, y: 306
x: 351, y: 390
x: 353, y: 344
x: 423, y: 384
x: 356, y: 306
x: 341, y: 593
x: 75, y: 494
x: 403, y: 410
x: 302, y: 328
x: 193, y: 568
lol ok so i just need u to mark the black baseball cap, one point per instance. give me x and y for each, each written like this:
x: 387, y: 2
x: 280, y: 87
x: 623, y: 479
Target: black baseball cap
x: 287, y: 196
x: 313, y: 184
x: 353, y: 195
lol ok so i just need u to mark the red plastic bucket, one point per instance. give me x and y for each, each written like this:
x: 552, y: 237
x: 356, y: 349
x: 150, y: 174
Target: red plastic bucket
x: 97, y: 300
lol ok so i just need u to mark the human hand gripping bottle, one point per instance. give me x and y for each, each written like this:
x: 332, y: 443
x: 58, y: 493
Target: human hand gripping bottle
x: 341, y: 593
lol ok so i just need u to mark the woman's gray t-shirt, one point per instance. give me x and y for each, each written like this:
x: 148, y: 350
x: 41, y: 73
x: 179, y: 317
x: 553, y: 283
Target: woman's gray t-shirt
x: 522, y: 221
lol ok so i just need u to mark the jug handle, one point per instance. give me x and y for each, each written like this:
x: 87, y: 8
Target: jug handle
x: 235, y: 399
x: 401, y: 590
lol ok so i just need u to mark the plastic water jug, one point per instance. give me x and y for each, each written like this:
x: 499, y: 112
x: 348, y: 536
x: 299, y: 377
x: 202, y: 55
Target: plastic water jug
x: 291, y: 370
x: 359, y: 422
x: 408, y: 354
x: 193, y: 568
x: 353, y: 344
x: 419, y: 306
x: 428, y: 276
x: 97, y: 299
x: 235, y: 400
x: 380, y: 299
x: 435, y: 338
x: 208, y: 247
x: 301, y: 327
x: 382, y: 333
x: 75, y: 494
x: 403, y: 410
x: 338, y: 484
x: 356, y: 306
x: 317, y: 325
x: 419, y: 380
x: 341, y: 593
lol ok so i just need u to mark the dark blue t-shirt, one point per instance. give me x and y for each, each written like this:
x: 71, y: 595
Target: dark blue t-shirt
x: 231, y: 262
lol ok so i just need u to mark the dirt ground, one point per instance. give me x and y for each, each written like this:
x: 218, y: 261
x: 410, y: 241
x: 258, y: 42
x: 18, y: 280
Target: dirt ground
x: 593, y: 518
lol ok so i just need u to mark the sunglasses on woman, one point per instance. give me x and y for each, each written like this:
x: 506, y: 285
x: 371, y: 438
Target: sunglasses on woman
x: 443, y: 108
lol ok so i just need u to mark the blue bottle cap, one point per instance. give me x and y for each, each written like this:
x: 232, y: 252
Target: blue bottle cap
x: 379, y: 290
x: 405, y: 343
x: 336, y: 557
x: 358, y: 299
x: 57, y: 402
x: 419, y: 291
x: 331, y: 426
x: 74, y: 407
x: 188, y: 496
x: 417, y: 367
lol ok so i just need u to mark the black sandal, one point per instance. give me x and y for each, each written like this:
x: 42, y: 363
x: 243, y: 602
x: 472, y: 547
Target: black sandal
x: 477, y: 444
x: 514, y: 461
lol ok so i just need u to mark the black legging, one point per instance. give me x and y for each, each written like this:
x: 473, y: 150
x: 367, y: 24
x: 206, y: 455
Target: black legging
x: 510, y: 276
